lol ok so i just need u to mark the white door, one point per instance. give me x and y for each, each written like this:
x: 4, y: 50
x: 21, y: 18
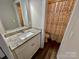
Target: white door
x: 69, y: 47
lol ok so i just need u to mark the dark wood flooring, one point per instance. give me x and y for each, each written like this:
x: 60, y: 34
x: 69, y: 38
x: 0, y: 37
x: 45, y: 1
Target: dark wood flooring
x: 48, y: 52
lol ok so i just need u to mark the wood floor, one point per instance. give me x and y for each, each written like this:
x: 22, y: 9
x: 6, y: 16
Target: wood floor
x: 48, y: 52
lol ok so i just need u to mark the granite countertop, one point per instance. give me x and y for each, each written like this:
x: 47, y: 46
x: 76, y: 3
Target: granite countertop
x: 14, y: 41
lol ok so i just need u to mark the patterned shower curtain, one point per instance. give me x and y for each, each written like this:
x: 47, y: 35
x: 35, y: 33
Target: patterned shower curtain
x: 58, y: 14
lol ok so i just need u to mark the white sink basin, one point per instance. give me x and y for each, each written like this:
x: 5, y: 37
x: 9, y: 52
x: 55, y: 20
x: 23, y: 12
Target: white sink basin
x: 25, y: 35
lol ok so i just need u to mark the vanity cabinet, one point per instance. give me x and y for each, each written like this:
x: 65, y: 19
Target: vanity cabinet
x: 28, y: 49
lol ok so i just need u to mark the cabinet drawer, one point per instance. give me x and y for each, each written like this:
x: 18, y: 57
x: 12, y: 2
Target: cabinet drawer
x: 28, y: 49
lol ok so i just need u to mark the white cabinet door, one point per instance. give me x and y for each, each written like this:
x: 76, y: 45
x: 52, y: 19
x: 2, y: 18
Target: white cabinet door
x: 28, y: 49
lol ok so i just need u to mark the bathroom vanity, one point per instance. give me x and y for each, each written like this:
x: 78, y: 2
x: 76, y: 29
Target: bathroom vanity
x: 22, y: 34
x: 24, y: 45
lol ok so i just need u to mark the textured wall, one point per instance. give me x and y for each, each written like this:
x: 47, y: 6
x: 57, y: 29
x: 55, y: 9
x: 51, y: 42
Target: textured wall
x: 8, y: 15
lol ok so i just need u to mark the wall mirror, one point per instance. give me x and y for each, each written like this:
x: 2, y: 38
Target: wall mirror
x: 14, y: 14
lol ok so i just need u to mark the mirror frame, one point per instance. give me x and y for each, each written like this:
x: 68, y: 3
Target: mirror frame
x: 28, y: 12
x: 7, y: 33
